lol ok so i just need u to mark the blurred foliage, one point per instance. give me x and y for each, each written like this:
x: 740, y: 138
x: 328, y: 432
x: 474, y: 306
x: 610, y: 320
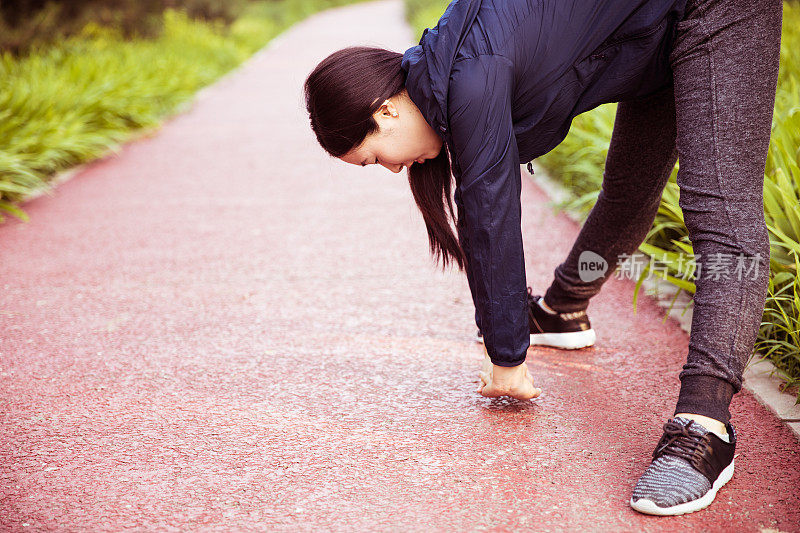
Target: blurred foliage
x: 26, y: 23
x: 578, y: 163
x: 423, y: 13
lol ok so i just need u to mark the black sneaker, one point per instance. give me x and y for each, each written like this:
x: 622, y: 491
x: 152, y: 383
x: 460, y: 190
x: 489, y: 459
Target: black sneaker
x: 689, y: 466
x: 560, y: 330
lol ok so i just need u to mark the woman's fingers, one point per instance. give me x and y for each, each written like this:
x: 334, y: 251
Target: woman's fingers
x: 526, y: 392
x: 490, y: 391
x: 536, y: 391
x: 485, y: 378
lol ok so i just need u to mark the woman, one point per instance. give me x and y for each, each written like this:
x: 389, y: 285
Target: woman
x: 497, y: 83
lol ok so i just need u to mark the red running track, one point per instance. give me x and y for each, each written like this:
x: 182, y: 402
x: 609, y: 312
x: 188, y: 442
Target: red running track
x: 223, y: 329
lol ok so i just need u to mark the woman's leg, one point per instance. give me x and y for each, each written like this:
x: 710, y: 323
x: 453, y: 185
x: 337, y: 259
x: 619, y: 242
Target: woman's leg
x: 639, y: 161
x: 725, y: 64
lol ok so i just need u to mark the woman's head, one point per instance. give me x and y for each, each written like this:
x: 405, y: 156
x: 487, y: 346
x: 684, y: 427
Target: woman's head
x: 361, y: 113
x: 402, y: 138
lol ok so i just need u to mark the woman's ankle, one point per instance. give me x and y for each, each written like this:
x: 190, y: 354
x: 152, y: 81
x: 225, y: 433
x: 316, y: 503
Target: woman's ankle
x: 554, y: 306
x: 710, y: 424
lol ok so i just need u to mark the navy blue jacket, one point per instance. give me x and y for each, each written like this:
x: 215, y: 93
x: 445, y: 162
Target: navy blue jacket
x: 501, y: 81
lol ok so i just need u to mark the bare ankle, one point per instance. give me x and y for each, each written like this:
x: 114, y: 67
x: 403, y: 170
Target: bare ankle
x: 710, y: 424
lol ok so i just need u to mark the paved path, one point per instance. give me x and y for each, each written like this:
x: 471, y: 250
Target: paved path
x: 224, y: 329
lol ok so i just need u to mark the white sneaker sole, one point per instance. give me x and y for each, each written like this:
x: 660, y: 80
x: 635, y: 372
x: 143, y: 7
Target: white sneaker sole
x: 567, y: 341
x: 648, y: 507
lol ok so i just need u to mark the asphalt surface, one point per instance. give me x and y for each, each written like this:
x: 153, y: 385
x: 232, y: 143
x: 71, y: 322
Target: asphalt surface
x: 221, y: 328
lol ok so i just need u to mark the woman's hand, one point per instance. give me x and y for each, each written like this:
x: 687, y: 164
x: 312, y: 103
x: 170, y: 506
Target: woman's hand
x: 514, y: 381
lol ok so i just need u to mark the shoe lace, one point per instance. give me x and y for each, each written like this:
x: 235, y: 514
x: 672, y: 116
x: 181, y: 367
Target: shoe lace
x: 679, y: 441
x: 530, y: 294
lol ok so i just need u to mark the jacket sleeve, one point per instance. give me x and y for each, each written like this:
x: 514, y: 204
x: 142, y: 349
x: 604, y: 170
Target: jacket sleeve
x: 487, y: 196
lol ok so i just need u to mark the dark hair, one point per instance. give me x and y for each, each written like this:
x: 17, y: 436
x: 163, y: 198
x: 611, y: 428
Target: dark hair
x: 341, y: 94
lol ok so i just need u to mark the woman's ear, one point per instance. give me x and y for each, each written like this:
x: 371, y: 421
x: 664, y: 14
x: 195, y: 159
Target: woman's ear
x: 388, y: 108
x: 384, y: 115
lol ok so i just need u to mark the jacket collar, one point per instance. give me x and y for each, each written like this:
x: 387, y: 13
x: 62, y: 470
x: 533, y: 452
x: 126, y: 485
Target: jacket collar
x: 429, y: 63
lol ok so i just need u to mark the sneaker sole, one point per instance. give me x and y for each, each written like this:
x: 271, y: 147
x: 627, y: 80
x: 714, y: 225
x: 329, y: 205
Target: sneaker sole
x: 567, y: 341
x: 649, y: 507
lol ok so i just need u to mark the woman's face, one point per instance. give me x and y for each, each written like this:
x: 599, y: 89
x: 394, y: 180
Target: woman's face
x: 403, y: 138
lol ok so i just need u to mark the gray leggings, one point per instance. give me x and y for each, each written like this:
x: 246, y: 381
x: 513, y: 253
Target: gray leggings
x: 716, y: 120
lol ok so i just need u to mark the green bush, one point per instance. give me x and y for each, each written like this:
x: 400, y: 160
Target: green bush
x: 27, y: 23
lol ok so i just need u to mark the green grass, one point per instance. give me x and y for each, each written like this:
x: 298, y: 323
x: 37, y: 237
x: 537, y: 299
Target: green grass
x: 69, y: 103
x: 578, y: 162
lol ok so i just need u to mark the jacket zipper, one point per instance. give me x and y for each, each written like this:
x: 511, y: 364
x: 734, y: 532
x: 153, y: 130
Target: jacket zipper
x: 598, y: 54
